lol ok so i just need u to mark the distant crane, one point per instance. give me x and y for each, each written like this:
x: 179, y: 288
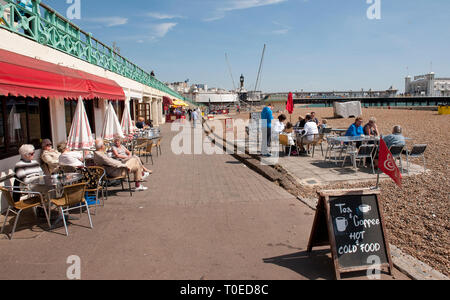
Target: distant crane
x: 229, y: 68
x: 259, y: 73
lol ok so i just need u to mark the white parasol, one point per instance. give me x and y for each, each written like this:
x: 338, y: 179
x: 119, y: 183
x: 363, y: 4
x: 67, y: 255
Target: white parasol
x: 111, y: 126
x: 80, y: 137
x: 127, y: 124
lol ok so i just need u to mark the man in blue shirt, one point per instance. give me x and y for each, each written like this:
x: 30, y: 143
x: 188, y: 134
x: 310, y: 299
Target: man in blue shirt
x: 267, y: 117
x: 396, y: 138
x: 356, y: 128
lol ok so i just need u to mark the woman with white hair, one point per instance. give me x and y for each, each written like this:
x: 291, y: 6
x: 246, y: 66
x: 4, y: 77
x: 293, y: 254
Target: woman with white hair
x: 27, y: 168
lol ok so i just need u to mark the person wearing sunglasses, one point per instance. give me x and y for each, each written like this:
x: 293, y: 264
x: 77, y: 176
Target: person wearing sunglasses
x: 26, y: 168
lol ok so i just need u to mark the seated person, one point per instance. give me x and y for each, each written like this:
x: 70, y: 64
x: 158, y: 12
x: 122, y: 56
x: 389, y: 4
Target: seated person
x: 323, y: 125
x: 314, y: 119
x: 120, y: 152
x: 140, y: 124
x: 26, y: 169
x: 301, y: 122
x: 115, y: 168
x: 289, y: 132
x: 50, y: 156
x: 309, y: 132
x: 279, y: 126
x: 356, y: 128
x: 396, y: 138
x: 71, y: 159
x: 371, y: 129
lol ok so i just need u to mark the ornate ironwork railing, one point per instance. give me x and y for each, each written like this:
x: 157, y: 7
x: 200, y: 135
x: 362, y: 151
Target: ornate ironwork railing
x: 47, y: 27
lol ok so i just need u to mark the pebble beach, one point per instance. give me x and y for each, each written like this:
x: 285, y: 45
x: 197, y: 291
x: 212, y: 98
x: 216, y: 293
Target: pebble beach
x: 417, y: 215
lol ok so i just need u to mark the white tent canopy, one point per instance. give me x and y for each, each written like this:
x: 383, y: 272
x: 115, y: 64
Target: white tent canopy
x: 80, y: 136
x: 111, y: 125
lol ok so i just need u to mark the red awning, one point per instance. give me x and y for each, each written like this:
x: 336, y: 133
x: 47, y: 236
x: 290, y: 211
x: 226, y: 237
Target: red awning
x: 25, y: 76
x: 167, y: 101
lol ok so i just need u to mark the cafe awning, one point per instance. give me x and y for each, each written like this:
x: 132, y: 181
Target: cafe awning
x: 29, y: 77
x: 167, y: 101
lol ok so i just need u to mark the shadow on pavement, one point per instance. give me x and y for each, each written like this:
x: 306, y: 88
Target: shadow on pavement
x: 315, y: 265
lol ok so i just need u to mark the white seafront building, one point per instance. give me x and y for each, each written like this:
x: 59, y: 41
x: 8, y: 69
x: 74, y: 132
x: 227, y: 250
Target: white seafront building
x: 427, y: 85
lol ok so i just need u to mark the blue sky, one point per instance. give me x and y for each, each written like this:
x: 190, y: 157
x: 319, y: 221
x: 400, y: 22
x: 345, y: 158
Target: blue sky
x: 311, y: 44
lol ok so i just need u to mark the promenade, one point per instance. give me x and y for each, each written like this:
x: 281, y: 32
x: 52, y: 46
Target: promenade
x: 203, y: 217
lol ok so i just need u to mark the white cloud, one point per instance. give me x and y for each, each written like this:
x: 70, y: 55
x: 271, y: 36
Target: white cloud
x: 160, y: 30
x: 245, y: 4
x: 239, y: 5
x: 161, y: 16
x: 109, y: 21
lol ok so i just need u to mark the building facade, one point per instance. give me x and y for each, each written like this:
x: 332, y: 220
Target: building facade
x: 427, y: 85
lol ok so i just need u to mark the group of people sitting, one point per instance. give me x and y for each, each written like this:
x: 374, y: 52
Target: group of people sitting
x: 63, y: 159
x: 371, y: 130
x: 309, y: 127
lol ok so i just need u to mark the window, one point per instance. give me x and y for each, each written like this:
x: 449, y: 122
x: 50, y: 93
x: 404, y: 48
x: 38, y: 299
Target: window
x: 71, y: 105
x: 23, y: 121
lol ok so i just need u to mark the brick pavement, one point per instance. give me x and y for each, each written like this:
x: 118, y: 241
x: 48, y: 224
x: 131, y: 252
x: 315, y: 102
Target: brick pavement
x: 204, y: 217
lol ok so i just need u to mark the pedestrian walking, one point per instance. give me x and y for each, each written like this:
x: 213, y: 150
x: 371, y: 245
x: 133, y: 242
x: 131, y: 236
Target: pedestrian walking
x: 267, y: 117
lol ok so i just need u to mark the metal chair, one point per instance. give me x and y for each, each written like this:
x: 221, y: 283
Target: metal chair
x: 318, y: 141
x: 396, y: 151
x: 158, y: 147
x: 124, y: 177
x: 417, y: 151
x: 364, y: 152
x: 147, y: 151
x: 336, y: 147
x: 34, y: 200
x: 73, y: 195
x: 284, y: 141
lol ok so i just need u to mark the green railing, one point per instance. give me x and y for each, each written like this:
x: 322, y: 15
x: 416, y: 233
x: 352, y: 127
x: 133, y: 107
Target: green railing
x: 47, y: 27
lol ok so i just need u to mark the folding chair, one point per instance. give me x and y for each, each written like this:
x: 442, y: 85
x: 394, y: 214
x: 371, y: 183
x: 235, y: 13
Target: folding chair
x: 417, y: 151
x: 34, y: 200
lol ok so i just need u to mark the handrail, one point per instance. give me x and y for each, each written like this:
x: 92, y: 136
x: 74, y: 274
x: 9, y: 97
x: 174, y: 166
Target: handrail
x: 51, y: 29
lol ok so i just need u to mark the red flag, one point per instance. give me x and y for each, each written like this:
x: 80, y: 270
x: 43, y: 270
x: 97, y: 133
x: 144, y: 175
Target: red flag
x: 290, y: 104
x: 386, y: 163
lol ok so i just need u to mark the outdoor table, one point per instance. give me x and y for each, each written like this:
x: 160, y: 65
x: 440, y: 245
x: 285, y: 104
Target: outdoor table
x: 339, y: 131
x: 57, y: 182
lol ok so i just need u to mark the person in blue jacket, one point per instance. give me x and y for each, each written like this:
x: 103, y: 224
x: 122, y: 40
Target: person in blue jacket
x: 267, y: 117
x: 356, y: 128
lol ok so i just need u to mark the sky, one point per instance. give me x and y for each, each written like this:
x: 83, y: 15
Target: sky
x: 312, y: 45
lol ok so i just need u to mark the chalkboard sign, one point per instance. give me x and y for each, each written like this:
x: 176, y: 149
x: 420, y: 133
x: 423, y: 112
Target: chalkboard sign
x: 351, y: 221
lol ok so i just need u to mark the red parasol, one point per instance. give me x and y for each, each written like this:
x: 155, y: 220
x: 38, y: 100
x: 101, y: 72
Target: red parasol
x: 290, y: 104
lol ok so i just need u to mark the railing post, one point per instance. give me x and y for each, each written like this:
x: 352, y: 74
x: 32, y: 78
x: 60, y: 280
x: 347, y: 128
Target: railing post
x: 89, y: 50
x: 37, y: 19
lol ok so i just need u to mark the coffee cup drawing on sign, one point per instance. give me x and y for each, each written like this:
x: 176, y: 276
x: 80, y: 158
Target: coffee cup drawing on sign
x: 341, y: 224
x: 365, y: 208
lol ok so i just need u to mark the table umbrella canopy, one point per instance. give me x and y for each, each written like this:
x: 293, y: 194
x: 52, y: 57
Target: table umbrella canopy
x: 180, y: 103
x: 80, y: 136
x: 127, y: 123
x: 290, y: 104
x: 111, y: 125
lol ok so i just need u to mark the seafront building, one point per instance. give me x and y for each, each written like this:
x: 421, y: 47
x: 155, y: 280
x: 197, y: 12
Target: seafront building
x: 427, y: 85
x: 46, y: 64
